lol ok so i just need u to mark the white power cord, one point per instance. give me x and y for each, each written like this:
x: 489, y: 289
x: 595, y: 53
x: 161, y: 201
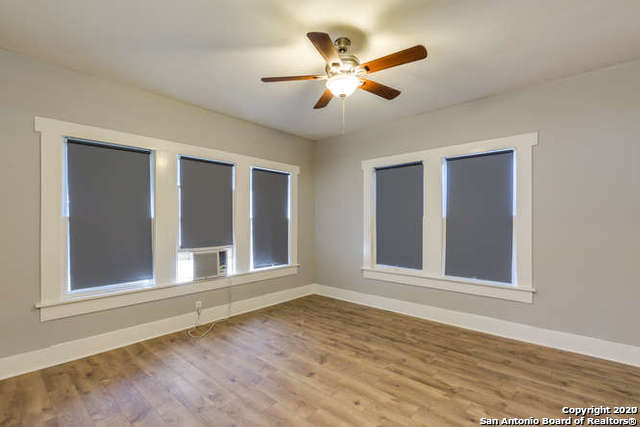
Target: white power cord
x: 192, y: 331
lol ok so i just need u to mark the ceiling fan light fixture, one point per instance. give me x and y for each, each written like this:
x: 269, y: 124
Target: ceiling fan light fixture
x: 343, y: 85
x: 344, y: 72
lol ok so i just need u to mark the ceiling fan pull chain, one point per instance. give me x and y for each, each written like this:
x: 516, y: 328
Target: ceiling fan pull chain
x: 344, y: 100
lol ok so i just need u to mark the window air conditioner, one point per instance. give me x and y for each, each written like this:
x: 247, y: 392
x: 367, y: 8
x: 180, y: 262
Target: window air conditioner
x: 208, y: 264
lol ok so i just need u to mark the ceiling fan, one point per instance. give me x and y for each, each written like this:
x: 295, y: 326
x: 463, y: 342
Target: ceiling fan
x: 345, y: 73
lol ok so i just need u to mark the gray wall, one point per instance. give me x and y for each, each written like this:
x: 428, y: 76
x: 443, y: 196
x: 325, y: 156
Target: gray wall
x: 29, y: 88
x: 586, y: 200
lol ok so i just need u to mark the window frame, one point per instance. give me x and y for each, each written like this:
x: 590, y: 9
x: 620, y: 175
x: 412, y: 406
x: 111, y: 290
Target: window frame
x: 56, y: 303
x: 514, y: 266
x: 67, y: 292
x: 231, y: 261
x: 289, y: 217
x: 434, y: 227
x: 374, y: 225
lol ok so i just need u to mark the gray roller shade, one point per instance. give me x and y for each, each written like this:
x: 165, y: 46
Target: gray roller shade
x: 479, y: 223
x: 270, y: 226
x: 109, y: 191
x: 206, y: 203
x: 399, y: 210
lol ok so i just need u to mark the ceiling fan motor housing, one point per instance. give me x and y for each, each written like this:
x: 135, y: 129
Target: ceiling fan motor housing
x: 350, y: 62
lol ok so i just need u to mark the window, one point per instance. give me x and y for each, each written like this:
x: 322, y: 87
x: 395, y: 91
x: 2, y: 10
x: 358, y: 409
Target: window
x: 399, y: 204
x: 455, y: 218
x: 479, y: 216
x: 139, y: 219
x: 269, y: 218
x: 206, y: 212
x: 206, y: 203
x: 109, y: 210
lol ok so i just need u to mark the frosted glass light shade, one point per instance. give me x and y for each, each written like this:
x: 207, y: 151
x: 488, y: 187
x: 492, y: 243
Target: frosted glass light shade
x: 343, y: 85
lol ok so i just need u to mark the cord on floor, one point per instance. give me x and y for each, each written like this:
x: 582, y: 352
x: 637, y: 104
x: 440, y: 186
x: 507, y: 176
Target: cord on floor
x: 192, y: 332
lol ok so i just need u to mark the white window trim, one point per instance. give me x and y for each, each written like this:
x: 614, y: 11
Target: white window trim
x: 432, y: 273
x: 56, y: 302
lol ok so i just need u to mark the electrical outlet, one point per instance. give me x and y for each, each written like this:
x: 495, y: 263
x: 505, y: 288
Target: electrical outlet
x: 199, y: 307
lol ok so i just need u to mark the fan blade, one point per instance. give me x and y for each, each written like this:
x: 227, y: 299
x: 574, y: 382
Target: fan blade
x: 325, y: 46
x: 324, y: 99
x: 292, y: 78
x: 415, y: 53
x: 376, y: 88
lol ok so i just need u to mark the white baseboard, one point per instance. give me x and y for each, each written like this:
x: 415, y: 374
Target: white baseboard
x: 589, y: 346
x: 71, y: 350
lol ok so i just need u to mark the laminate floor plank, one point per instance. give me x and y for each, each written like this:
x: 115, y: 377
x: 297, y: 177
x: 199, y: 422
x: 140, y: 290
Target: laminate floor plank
x: 316, y: 361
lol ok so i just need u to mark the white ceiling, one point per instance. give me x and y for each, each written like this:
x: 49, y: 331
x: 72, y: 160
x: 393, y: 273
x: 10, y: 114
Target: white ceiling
x: 213, y: 52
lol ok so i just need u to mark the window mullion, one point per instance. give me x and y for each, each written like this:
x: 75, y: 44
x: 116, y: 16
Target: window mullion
x: 242, y: 220
x: 165, y: 217
x: 433, y: 226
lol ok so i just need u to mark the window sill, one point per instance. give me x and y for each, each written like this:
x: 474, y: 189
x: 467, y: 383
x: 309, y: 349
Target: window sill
x: 454, y: 284
x: 269, y: 268
x: 50, y: 310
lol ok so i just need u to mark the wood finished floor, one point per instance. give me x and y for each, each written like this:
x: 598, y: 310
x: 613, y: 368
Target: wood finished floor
x: 316, y: 361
